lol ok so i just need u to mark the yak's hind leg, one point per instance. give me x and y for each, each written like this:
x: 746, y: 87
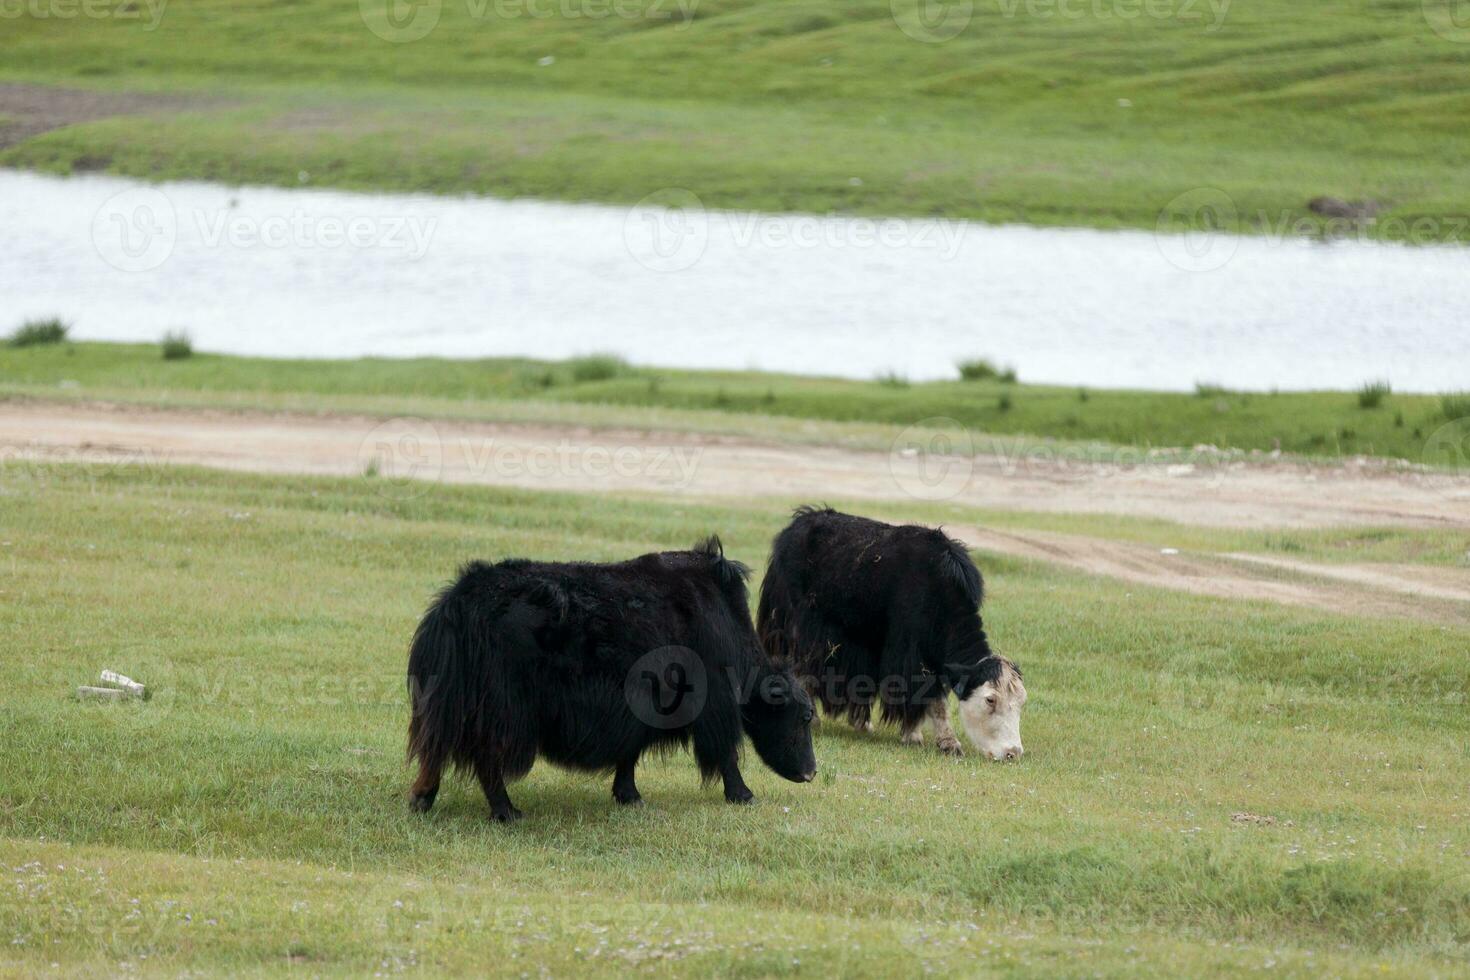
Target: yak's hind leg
x: 492, y: 781
x: 861, y: 717
x: 426, y: 786
x: 625, y: 790
x: 909, y: 733
x: 943, y: 734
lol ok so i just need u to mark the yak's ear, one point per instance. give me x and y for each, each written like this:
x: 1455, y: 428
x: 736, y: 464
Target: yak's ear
x: 729, y: 570
x: 965, y: 679
x: 552, y: 598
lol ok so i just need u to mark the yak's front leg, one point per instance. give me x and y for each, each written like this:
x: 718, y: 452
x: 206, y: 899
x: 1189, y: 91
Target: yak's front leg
x: 735, y: 789
x: 943, y: 734
x: 625, y: 790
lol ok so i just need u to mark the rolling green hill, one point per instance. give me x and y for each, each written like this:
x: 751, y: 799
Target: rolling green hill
x: 1045, y: 111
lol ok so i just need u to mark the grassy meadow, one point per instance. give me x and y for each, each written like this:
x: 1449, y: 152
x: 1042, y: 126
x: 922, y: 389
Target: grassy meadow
x: 1209, y: 787
x: 1098, y: 114
x: 603, y: 390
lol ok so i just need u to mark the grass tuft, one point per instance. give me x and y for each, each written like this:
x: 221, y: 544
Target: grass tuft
x: 1455, y: 406
x: 177, y: 346
x: 892, y: 379
x: 598, y: 367
x: 980, y: 369
x: 1372, y: 394
x: 33, y: 333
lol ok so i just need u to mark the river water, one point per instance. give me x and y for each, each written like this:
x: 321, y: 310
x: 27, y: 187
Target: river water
x: 313, y: 273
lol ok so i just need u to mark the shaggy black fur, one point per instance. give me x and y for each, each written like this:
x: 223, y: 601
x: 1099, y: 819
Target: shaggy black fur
x: 866, y: 611
x: 593, y: 665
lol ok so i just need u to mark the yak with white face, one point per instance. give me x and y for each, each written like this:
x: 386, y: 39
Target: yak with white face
x: 889, y: 615
x: 991, y: 711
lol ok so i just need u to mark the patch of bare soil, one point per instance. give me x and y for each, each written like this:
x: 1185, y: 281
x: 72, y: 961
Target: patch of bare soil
x: 1359, y: 589
x: 30, y: 110
x: 405, y: 453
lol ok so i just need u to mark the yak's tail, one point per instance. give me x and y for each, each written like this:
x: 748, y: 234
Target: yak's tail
x: 445, y: 679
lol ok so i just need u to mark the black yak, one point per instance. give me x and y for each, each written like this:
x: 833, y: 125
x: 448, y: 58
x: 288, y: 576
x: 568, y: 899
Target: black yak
x: 591, y: 666
x: 869, y: 611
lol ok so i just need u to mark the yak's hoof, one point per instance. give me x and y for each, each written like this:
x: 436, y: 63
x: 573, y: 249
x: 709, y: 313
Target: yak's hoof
x: 952, y: 748
x: 913, y: 738
x: 506, y: 815
x: 741, y: 796
x: 628, y: 799
x: 421, y: 804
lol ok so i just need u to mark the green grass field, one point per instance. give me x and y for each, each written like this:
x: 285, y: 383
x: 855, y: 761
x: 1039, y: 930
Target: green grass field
x: 1096, y: 114
x: 867, y: 413
x: 1209, y: 787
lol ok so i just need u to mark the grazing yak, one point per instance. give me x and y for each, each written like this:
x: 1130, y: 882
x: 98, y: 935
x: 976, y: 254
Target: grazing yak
x: 591, y: 666
x: 869, y: 611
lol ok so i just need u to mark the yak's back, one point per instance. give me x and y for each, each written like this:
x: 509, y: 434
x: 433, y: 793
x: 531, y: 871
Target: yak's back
x: 823, y: 549
x: 576, y: 610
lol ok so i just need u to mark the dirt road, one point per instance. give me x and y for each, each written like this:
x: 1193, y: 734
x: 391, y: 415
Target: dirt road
x: 1275, y: 494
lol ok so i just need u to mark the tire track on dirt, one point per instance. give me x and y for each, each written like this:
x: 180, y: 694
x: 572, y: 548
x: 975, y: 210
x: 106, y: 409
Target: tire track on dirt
x: 1432, y: 594
x: 722, y: 466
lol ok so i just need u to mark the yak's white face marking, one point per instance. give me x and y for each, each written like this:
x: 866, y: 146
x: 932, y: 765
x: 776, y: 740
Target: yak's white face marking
x: 992, y: 716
